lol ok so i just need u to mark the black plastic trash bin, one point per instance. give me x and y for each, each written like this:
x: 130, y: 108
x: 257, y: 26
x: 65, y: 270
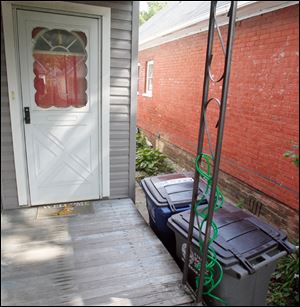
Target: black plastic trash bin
x: 166, y: 195
x: 247, y: 248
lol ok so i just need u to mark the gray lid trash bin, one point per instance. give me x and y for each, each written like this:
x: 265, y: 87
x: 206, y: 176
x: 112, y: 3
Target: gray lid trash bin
x: 246, y: 247
x: 171, y: 190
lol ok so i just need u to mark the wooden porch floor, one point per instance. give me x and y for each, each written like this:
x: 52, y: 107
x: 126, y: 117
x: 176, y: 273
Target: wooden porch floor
x: 108, y: 258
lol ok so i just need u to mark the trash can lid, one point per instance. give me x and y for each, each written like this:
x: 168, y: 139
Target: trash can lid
x: 241, y: 235
x: 176, y: 188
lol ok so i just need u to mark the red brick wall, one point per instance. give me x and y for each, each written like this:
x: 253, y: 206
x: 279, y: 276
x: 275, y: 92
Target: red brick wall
x: 262, y: 119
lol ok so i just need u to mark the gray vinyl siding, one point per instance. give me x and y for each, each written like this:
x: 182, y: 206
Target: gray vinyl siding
x: 120, y: 108
x: 9, y: 198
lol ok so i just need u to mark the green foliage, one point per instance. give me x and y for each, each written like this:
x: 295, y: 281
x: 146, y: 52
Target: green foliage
x: 293, y: 154
x: 284, y: 286
x: 149, y: 161
x: 141, y: 141
x: 153, y: 8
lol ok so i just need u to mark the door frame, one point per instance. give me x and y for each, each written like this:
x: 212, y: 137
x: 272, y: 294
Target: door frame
x: 103, y: 14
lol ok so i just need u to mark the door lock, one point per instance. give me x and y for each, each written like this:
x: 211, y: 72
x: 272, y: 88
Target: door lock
x: 27, y: 115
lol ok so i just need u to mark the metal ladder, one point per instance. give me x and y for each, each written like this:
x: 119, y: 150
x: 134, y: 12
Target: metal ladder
x: 220, y: 128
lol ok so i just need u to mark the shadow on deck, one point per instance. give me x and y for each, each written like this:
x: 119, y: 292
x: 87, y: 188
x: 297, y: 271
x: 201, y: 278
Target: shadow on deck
x: 109, y: 258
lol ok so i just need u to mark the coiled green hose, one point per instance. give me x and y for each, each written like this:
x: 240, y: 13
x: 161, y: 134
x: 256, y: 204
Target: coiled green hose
x: 213, y: 267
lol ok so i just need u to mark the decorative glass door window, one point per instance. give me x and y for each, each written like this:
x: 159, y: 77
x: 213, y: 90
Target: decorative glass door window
x: 60, y: 68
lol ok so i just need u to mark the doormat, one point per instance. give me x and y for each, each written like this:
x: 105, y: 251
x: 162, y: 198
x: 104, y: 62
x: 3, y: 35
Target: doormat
x: 65, y: 209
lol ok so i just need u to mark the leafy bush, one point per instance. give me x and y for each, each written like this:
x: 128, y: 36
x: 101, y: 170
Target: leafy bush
x: 284, y: 286
x: 149, y: 161
x: 141, y: 141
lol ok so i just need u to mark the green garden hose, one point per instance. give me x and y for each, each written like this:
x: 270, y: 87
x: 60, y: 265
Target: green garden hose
x: 213, y: 267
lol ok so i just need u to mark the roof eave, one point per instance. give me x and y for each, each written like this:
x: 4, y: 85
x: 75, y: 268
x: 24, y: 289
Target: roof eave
x: 246, y: 9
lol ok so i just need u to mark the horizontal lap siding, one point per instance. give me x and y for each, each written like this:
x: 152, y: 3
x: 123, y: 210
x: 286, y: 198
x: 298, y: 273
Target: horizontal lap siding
x: 120, y: 98
x: 121, y: 25
x: 8, y: 178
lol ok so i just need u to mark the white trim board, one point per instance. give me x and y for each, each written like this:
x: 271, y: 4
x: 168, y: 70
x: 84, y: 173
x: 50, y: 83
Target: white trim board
x: 245, y: 10
x: 15, y: 97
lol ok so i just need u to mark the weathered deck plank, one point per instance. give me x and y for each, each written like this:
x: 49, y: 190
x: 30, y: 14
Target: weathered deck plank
x: 109, y: 258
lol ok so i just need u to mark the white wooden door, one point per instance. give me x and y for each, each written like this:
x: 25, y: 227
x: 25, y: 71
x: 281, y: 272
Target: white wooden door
x: 59, y: 66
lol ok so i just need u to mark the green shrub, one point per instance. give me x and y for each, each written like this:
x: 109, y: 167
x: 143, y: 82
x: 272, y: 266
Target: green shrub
x: 141, y: 141
x: 149, y: 161
x: 284, y: 285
